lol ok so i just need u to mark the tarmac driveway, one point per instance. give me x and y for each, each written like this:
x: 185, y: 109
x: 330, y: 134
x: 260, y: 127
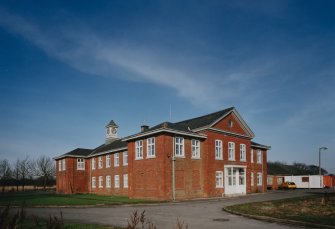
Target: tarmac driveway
x: 197, y: 214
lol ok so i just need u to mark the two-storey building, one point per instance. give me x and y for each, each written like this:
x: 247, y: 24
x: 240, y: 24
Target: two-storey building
x: 207, y: 156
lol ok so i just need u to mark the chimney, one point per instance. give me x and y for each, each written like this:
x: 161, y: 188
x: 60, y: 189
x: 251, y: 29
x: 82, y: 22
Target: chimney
x: 144, y: 128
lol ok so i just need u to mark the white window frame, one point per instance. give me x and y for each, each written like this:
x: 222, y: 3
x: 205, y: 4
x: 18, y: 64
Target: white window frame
x: 259, y: 156
x: 231, y: 151
x: 64, y: 164
x: 125, y: 158
x: 116, y: 160
x: 252, y: 156
x: 108, y: 182
x: 125, y: 180
x: 94, y: 182
x: 252, y: 179
x: 179, y: 147
x: 218, y: 150
x: 80, y: 164
x: 108, y: 161
x: 195, y: 144
x: 116, y: 181
x: 219, y: 179
x: 93, y: 163
x: 151, y: 152
x: 101, y: 182
x: 243, y: 151
x: 100, y: 162
x: 259, y: 179
x: 59, y: 165
x: 139, y: 150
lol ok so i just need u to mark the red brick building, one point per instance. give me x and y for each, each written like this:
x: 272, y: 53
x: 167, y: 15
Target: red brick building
x: 207, y: 156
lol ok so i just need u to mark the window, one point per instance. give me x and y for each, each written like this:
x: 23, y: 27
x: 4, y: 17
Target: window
x: 80, y: 164
x: 218, y: 149
x: 125, y: 158
x: 93, y: 182
x: 252, y: 156
x: 259, y: 156
x: 125, y: 180
x: 93, y: 163
x: 242, y: 152
x: 117, y: 181
x: 179, y: 147
x: 60, y: 165
x: 64, y: 164
x: 139, y: 149
x: 241, y: 177
x: 230, y: 123
x: 219, y: 179
x: 108, y: 161
x: 101, y: 185
x: 100, y: 162
x: 304, y: 179
x: 259, y: 179
x: 150, y: 147
x: 195, y: 148
x: 231, y: 151
x: 231, y: 176
x: 116, y: 160
x: 108, y: 181
x: 252, y: 179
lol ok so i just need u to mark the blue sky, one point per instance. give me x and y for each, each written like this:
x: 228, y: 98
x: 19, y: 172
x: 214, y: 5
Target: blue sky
x: 69, y: 67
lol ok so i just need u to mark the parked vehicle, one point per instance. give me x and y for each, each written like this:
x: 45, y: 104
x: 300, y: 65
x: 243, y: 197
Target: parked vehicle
x: 288, y: 185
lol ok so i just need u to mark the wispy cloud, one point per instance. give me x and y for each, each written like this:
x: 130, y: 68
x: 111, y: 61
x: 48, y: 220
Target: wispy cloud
x: 88, y: 52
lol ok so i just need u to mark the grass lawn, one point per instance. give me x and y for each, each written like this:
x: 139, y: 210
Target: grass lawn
x: 307, y: 209
x: 41, y: 198
x: 42, y: 224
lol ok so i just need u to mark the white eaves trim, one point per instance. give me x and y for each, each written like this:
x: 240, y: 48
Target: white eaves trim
x: 168, y: 130
x: 229, y: 133
x: 261, y: 147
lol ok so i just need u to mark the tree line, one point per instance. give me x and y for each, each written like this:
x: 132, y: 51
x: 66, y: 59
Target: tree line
x: 281, y: 168
x: 23, y: 172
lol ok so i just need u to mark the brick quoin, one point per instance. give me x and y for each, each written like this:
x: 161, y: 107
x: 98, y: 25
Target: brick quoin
x: 152, y: 177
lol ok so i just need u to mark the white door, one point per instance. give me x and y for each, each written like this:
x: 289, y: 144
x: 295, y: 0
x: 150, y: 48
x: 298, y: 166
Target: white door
x: 235, y: 182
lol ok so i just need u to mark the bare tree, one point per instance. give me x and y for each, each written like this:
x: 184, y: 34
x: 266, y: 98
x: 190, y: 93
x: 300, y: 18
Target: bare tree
x: 16, y: 173
x: 5, y: 172
x: 22, y: 170
x: 44, y: 168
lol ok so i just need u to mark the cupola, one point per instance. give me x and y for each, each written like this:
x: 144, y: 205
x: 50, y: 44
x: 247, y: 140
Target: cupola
x: 111, y: 131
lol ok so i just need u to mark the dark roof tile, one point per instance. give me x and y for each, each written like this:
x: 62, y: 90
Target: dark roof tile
x: 114, y: 145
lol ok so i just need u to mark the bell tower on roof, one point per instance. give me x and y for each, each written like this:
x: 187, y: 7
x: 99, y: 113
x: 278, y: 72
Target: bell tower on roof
x: 111, y: 131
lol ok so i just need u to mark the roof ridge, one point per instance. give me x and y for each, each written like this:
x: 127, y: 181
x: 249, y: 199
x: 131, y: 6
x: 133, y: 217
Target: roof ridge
x: 227, y: 109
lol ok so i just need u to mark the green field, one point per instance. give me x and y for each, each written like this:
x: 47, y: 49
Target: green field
x: 53, y: 199
x: 319, y: 209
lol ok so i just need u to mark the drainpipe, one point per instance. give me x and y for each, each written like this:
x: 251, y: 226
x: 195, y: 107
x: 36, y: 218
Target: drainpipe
x: 262, y: 154
x: 90, y: 182
x: 173, y: 170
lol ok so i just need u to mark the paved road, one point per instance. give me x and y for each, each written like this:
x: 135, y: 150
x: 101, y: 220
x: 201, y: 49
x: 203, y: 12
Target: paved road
x: 197, y: 214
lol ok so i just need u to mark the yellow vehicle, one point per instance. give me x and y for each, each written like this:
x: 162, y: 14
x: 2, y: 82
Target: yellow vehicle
x: 288, y: 185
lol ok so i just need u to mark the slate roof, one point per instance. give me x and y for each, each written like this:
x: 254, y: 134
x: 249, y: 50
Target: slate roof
x: 188, y: 125
x: 204, y: 120
x: 260, y: 145
x: 79, y: 152
x: 114, y: 145
x: 112, y: 123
